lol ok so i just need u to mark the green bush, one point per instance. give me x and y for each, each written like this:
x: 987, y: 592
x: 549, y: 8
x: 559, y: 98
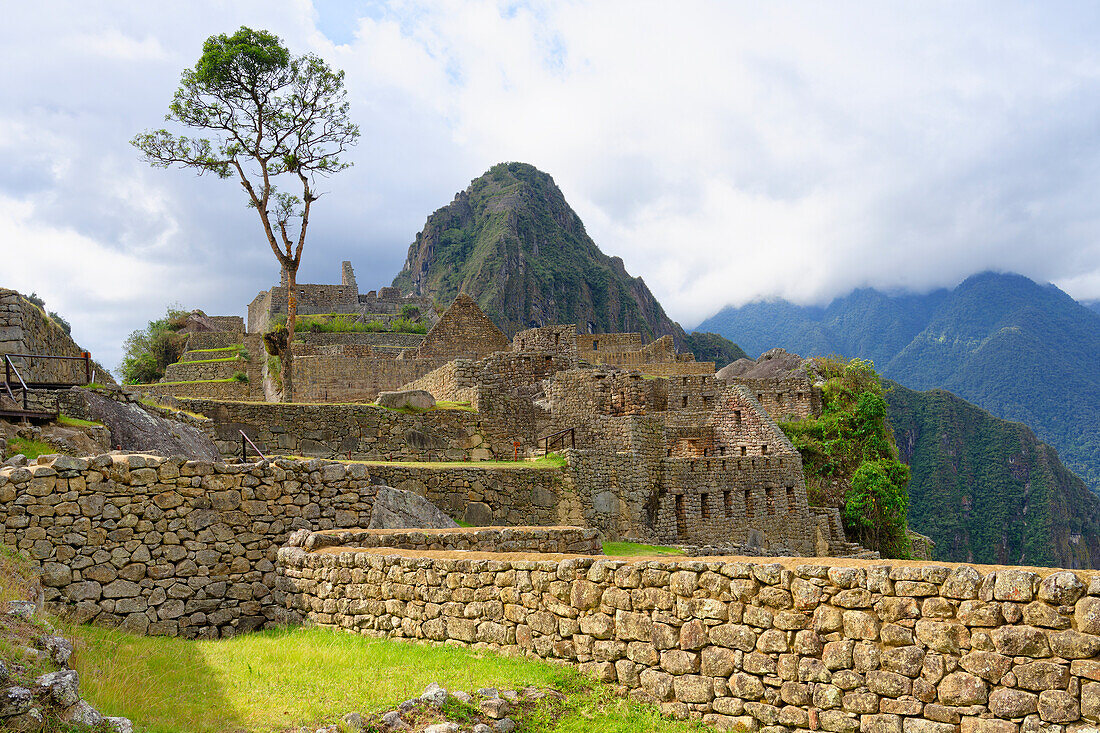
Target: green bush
x: 240, y: 377
x: 148, y: 351
x: 404, y: 325
x: 851, y: 446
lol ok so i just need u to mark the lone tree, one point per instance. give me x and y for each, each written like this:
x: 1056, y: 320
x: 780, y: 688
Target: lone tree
x: 271, y: 117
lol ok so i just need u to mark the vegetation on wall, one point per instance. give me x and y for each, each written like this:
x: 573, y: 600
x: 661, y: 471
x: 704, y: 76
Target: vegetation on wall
x: 850, y: 458
x: 350, y: 323
x: 148, y: 351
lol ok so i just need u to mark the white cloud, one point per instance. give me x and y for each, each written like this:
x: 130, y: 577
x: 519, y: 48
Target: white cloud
x: 727, y: 151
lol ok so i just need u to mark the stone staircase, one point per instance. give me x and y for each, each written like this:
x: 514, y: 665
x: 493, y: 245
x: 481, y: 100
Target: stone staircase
x: 831, y: 532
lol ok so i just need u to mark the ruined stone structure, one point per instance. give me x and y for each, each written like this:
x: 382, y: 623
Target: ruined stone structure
x: 26, y: 329
x: 268, y: 305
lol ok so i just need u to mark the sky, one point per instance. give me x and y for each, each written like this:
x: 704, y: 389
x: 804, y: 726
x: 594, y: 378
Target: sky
x: 727, y: 151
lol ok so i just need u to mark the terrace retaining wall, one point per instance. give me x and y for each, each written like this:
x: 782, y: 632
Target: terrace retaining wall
x: 858, y: 646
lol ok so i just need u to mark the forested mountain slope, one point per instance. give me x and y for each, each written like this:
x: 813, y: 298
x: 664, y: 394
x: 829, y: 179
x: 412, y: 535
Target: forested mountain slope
x: 513, y: 243
x: 1023, y: 351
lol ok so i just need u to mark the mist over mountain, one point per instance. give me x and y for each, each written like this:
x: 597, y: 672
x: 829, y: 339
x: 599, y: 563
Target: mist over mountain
x: 1025, y: 352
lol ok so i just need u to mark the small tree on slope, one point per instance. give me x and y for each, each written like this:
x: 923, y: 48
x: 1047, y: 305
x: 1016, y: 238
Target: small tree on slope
x: 271, y: 116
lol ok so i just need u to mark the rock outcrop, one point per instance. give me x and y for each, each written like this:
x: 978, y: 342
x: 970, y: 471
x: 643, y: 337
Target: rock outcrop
x: 401, y: 509
x: 134, y: 427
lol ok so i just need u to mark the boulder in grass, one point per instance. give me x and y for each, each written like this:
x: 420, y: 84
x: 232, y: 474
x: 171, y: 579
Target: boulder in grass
x: 416, y: 399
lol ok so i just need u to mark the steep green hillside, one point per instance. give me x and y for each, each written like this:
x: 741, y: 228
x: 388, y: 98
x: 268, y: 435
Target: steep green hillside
x: 1023, y: 351
x: 987, y: 490
x: 512, y: 242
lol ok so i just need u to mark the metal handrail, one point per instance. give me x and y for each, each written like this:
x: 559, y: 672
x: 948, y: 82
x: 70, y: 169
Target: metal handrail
x: 9, y: 367
x: 244, y: 451
x: 561, y: 433
x: 85, y: 357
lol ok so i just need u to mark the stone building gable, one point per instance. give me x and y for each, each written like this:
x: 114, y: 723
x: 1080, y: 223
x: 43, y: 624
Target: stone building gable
x: 743, y: 427
x: 463, y: 332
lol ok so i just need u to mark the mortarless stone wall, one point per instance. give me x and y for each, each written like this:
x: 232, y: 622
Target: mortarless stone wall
x: 860, y: 646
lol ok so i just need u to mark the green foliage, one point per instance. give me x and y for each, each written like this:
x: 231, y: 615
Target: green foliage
x: 75, y: 422
x: 275, y: 370
x: 987, y: 490
x: 244, y: 355
x: 148, y: 351
x: 410, y: 311
x: 1025, y: 352
x: 56, y: 318
x: 404, y: 325
x: 852, y: 447
x: 634, y: 549
x: 240, y: 377
x: 28, y: 447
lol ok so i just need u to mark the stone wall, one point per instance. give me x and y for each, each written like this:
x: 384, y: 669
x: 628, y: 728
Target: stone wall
x: 213, y: 340
x: 26, y: 329
x: 568, y: 540
x: 487, y: 496
x: 785, y: 399
x: 204, y: 369
x: 859, y: 646
x: 343, y: 378
x: 227, y: 390
x: 172, y: 547
x: 393, y: 340
x: 463, y: 332
x: 369, y: 432
x: 560, y: 340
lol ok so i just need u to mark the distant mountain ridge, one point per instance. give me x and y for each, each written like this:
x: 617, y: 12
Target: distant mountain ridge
x: 512, y: 242
x: 1023, y: 351
x: 987, y: 490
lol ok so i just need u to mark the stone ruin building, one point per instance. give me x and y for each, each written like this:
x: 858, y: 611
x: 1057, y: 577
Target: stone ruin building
x: 656, y: 446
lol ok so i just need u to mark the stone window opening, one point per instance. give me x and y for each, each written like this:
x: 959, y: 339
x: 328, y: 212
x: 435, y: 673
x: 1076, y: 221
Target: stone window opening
x: 722, y: 452
x: 704, y: 505
x: 749, y: 509
x: 595, y: 345
x: 769, y: 499
x: 790, y: 500
x: 744, y: 450
x: 680, y: 519
x: 779, y: 398
x: 764, y: 449
x: 736, y: 417
x: 685, y: 401
x: 685, y: 381
x: 727, y: 499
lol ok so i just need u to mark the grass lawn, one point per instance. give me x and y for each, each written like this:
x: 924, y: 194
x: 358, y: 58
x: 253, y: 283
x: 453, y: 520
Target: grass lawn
x: 551, y: 461
x: 632, y: 549
x: 279, y: 680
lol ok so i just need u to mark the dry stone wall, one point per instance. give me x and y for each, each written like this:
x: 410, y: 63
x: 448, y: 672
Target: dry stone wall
x: 369, y: 432
x: 205, y: 369
x: 569, y: 540
x: 172, y: 547
x: 488, y: 496
x: 859, y: 646
x: 26, y: 329
x: 215, y: 390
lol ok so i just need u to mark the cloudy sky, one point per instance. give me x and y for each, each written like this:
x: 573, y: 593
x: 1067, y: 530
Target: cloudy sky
x: 726, y: 151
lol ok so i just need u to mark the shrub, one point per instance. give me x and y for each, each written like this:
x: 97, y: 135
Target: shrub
x: 404, y: 325
x: 148, y: 351
x: 56, y: 318
x: 244, y: 355
x: 240, y: 377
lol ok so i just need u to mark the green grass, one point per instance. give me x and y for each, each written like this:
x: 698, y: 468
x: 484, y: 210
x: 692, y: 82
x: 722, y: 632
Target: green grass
x: 439, y: 405
x: 76, y: 422
x: 30, y: 448
x: 279, y: 680
x: 634, y: 549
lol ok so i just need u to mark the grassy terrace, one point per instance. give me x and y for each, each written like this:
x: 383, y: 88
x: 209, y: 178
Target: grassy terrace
x: 190, y: 381
x: 208, y: 361
x: 279, y: 680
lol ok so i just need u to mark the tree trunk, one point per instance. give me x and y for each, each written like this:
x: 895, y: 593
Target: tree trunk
x: 291, y: 320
